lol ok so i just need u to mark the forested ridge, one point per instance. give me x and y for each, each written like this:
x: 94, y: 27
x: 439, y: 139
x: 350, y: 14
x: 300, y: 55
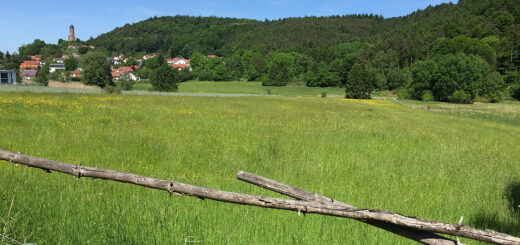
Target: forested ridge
x: 410, y: 36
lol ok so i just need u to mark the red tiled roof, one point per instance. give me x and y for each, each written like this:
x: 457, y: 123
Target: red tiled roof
x: 176, y: 66
x: 31, y: 62
x: 30, y: 65
x: 122, y: 69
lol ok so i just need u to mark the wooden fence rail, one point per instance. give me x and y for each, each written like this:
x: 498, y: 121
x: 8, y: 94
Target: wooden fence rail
x: 308, y: 203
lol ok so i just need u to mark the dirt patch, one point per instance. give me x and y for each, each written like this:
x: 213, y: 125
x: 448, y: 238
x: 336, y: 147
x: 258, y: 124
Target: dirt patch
x: 57, y: 84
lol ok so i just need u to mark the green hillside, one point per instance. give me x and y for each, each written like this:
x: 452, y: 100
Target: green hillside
x: 410, y: 36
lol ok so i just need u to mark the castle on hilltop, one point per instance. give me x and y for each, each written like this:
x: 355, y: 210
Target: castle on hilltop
x: 71, y: 33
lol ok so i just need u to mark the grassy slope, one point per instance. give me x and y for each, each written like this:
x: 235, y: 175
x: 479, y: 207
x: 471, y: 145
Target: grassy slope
x: 373, y: 154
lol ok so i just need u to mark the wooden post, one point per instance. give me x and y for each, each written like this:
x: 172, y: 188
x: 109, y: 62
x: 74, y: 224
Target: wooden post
x: 262, y: 201
x: 416, y: 235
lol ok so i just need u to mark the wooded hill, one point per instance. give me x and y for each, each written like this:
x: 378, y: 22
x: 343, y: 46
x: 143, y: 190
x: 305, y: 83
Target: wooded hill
x: 410, y: 36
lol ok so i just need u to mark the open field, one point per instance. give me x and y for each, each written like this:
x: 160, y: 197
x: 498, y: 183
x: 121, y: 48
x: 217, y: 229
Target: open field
x: 507, y: 112
x: 199, y: 87
x: 250, y: 88
x: 373, y: 154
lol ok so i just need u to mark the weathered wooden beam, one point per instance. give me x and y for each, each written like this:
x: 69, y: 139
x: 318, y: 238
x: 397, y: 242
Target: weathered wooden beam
x: 262, y: 201
x: 300, y: 194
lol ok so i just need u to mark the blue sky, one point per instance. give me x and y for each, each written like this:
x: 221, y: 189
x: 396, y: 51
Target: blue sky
x: 23, y: 21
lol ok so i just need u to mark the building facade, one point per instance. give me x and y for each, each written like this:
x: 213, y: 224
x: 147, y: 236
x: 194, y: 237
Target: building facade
x: 7, y: 77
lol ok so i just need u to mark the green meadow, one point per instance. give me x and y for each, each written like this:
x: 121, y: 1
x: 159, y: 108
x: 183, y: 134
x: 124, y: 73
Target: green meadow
x: 241, y: 87
x: 407, y: 157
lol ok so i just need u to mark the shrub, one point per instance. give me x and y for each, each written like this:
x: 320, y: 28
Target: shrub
x: 75, y: 79
x: 324, y: 94
x: 311, y: 80
x: 126, y: 84
x: 185, y: 75
x: 112, y: 89
x: 427, y: 96
x: 206, y: 75
x: 404, y: 94
x: 165, y: 79
x: 461, y: 97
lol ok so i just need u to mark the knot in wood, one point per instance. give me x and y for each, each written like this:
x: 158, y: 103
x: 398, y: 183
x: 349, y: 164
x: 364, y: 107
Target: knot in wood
x: 170, y: 188
x: 78, y: 172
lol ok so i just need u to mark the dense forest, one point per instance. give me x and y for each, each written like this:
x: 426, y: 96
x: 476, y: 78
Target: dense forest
x: 450, y: 52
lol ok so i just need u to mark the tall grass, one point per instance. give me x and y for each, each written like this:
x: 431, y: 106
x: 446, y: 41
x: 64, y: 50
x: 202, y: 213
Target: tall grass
x: 372, y: 154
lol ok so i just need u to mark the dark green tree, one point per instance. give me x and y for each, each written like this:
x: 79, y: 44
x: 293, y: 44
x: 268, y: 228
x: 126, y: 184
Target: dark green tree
x: 357, y: 86
x: 96, y: 69
x: 281, y: 70
x: 197, y: 60
x: 165, y: 79
x: 83, y: 50
x: 43, y: 75
x: 70, y: 64
x: 252, y: 73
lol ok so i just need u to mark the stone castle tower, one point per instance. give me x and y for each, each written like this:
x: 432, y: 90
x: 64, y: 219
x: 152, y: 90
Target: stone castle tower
x: 71, y: 33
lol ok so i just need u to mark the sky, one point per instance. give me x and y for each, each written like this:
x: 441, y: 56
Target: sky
x: 23, y: 21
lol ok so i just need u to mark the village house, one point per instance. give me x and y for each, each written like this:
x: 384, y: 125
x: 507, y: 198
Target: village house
x: 30, y: 65
x: 116, y: 61
x: 29, y: 74
x: 75, y: 74
x: 7, y: 77
x: 130, y: 76
x: 55, y: 67
x: 128, y: 71
x: 148, y: 56
x: 179, y: 63
x: 179, y: 67
x: 58, y: 60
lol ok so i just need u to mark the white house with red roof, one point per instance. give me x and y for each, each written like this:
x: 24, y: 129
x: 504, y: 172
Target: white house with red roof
x: 148, y: 56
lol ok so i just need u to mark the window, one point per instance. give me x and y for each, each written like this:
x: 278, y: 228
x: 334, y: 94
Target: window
x: 3, y: 78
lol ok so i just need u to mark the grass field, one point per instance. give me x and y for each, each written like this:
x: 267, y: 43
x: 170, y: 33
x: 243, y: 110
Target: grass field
x: 373, y: 154
x: 249, y: 88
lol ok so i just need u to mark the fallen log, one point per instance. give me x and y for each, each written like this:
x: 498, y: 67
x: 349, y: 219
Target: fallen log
x: 291, y: 191
x: 262, y: 201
